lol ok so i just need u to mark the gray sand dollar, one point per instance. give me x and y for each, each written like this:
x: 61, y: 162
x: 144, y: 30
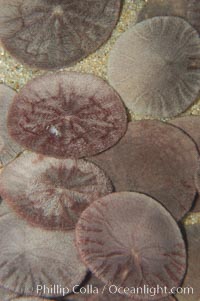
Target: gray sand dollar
x: 155, y: 67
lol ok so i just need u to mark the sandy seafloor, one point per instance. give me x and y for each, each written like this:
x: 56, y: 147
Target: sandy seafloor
x: 16, y: 75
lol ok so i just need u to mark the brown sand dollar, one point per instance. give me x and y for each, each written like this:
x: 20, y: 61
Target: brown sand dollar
x: 50, y: 192
x: 155, y: 67
x: 191, y: 126
x: 51, y: 34
x: 186, y: 9
x: 155, y: 158
x: 8, y: 148
x: 33, y: 260
x: 67, y: 114
x: 191, y: 289
x: 128, y: 239
x: 156, y: 8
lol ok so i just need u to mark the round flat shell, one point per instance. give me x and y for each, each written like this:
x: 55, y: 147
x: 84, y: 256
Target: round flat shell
x: 129, y: 240
x: 8, y: 148
x: 52, y: 193
x: 191, y: 126
x: 67, y: 114
x: 155, y: 68
x: 157, y: 159
x: 33, y: 259
x: 53, y: 34
x: 191, y: 282
x: 156, y: 8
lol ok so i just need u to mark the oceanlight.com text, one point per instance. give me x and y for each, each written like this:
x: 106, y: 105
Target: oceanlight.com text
x: 58, y: 290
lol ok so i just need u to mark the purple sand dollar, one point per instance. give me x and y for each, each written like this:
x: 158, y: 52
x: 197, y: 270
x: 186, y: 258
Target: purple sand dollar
x: 129, y: 240
x: 67, y: 114
x: 191, y: 126
x: 155, y: 158
x: 51, y: 193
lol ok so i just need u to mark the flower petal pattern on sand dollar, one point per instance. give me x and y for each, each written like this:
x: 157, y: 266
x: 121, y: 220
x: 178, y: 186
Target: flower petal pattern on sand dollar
x: 155, y: 67
x: 67, y: 114
x: 129, y: 240
x: 52, y: 34
x: 52, y: 193
x: 31, y: 257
